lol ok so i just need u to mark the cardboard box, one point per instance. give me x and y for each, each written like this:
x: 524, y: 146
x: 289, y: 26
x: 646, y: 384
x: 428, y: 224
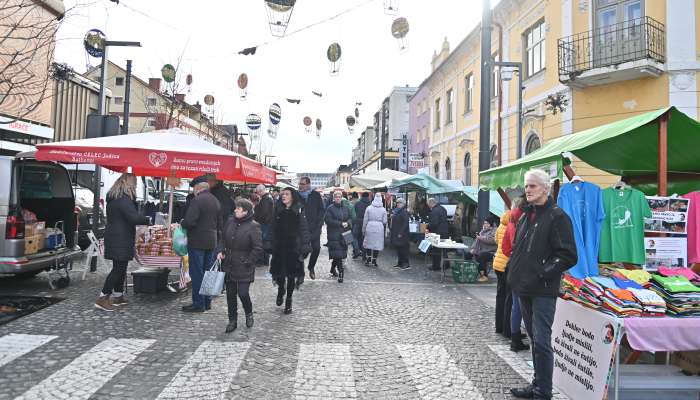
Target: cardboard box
x: 688, y: 361
x: 34, y: 228
x: 33, y: 244
x: 423, y: 228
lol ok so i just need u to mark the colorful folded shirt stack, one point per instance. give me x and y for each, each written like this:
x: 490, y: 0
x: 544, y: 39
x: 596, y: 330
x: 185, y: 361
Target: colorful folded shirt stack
x: 652, y: 304
x: 681, y: 296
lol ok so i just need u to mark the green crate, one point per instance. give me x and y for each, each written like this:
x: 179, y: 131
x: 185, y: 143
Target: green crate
x: 465, y: 271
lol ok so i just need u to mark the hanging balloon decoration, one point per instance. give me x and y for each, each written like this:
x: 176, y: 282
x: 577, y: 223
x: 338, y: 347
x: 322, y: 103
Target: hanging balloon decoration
x: 168, y: 72
x: 399, y: 30
x: 243, y: 86
x: 318, y: 128
x: 333, y: 53
x: 275, y: 118
x: 253, y: 122
x: 307, y: 124
x: 391, y: 7
x: 279, y: 12
x: 350, y: 120
x: 94, y: 43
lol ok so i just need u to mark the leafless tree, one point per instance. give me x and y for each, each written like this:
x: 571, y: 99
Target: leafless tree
x: 27, y: 42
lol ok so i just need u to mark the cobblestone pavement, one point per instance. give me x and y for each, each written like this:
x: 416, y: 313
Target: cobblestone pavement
x: 383, y: 334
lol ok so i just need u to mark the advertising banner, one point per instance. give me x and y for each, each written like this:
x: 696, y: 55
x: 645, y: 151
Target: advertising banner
x: 669, y: 215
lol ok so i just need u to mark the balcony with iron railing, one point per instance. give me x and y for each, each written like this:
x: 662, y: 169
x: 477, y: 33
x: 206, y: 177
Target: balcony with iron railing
x: 629, y: 50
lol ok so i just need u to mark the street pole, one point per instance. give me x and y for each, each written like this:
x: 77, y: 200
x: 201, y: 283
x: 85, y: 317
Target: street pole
x: 520, y: 111
x: 127, y: 98
x: 485, y: 107
x: 101, y: 110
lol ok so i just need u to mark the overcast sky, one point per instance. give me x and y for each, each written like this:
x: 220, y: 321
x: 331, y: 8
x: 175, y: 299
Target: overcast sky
x: 211, y: 32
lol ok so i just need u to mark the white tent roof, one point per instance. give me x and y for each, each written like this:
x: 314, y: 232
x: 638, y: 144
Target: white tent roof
x: 375, y: 178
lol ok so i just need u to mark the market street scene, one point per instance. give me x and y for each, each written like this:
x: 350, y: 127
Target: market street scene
x: 366, y: 199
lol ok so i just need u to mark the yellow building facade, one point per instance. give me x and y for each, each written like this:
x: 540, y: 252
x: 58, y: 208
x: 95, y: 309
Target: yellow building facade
x: 585, y: 63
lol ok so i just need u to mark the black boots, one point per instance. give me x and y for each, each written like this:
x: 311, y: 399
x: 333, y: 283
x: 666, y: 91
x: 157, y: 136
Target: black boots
x: 232, y: 325
x: 341, y: 272
x: 288, y: 305
x: 516, y: 343
x: 280, y: 295
x: 249, y: 320
x: 312, y: 274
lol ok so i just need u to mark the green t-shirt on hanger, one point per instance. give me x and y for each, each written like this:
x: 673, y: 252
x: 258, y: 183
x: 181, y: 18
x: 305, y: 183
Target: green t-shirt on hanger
x: 622, y: 234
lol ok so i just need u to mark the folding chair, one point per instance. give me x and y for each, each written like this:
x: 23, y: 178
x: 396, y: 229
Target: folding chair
x: 92, y: 251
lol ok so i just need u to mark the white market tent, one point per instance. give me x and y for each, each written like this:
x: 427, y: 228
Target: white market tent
x: 372, y: 179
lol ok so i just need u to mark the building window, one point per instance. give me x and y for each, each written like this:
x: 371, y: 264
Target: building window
x: 493, y: 156
x: 118, y: 101
x: 467, y: 169
x: 535, y: 49
x: 436, y: 168
x: 469, y: 93
x: 151, y: 122
x: 151, y: 102
x: 448, y: 111
x: 532, y: 144
x: 448, y: 169
x: 119, y: 81
x: 437, y: 114
x: 495, y: 79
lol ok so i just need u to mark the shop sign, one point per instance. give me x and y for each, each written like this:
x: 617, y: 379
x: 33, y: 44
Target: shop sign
x: 416, y: 160
x: 584, y: 342
x: 403, y: 153
x: 27, y: 128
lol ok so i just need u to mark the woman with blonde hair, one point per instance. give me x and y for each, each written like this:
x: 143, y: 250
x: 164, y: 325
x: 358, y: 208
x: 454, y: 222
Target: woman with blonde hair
x: 120, y: 234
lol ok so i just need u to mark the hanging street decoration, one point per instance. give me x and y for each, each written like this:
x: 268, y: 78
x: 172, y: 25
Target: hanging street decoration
x: 209, y: 100
x: 168, y: 72
x: 279, y: 12
x: 350, y: 120
x: 94, y: 43
x: 243, y: 86
x: 391, y: 7
x: 249, y: 51
x: 333, y: 53
x: 275, y: 118
x: 319, y: 94
x: 307, y: 124
x: 399, y: 30
x: 188, y: 80
x: 357, y: 112
x: 253, y: 122
x: 294, y: 101
x: 318, y: 127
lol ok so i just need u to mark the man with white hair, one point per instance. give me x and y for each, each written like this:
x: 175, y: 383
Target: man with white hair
x: 544, y: 248
x: 202, y: 224
x: 263, y: 214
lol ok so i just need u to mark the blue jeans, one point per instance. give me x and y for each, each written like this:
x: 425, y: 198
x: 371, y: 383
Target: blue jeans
x: 200, y: 261
x: 538, y: 314
x: 516, y: 316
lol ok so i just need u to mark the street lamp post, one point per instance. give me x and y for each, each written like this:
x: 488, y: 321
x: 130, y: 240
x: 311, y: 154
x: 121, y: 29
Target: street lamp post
x: 507, y: 76
x: 485, y: 106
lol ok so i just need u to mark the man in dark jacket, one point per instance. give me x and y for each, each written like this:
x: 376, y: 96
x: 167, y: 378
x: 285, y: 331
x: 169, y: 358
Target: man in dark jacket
x: 264, y: 213
x: 314, y: 209
x: 360, y: 208
x: 217, y: 188
x: 400, y: 234
x: 202, y: 223
x: 437, y: 224
x: 544, y: 248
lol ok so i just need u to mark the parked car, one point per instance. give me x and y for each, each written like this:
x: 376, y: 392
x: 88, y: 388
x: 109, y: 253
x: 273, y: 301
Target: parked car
x: 84, y: 198
x: 43, y: 191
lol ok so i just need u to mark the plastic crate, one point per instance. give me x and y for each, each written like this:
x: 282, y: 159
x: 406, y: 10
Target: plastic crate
x: 150, y: 281
x: 465, y: 271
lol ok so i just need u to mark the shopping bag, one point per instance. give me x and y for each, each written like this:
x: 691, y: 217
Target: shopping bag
x: 347, y: 236
x: 213, y: 282
x: 424, y: 245
x: 180, y: 241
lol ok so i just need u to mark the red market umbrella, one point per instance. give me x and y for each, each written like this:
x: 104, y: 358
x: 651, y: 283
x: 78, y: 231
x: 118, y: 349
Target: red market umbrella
x: 169, y: 153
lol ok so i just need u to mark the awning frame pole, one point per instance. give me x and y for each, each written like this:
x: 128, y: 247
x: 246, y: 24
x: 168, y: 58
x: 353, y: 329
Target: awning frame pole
x: 663, y: 154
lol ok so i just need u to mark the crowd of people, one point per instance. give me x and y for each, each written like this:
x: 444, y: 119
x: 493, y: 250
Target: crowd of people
x: 529, y: 248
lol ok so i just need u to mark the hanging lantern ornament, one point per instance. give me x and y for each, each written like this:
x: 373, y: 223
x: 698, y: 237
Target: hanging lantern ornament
x: 243, y: 86
x: 94, y: 43
x: 350, y: 120
x: 253, y: 122
x: 279, y: 12
x: 399, y: 30
x: 188, y: 80
x: 209, y: 100
x: 275, y: 118
x: 333, y: 53
x: 307, y: 124
x: 391, y: 7
x: 357, y: 112
x: 168, y: 72
x: 318, y: 127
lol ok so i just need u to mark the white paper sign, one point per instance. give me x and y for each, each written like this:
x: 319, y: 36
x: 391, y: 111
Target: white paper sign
x: 669, y: 215
x: 584, y: 342
x: 665, y: 252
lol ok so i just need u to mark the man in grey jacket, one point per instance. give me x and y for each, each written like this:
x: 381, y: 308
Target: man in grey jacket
x: 202, y: 223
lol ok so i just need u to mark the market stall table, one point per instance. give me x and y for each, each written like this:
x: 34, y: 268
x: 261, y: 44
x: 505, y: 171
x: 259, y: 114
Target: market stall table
x: 443, y: 247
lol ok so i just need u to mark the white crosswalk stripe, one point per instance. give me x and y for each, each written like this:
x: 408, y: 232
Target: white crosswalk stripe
x: 324, y: 371
x: 208, y: 372
x: 435, y: 374
x: 88, y: 373
x: 16, y: 345
x: 520, y: 366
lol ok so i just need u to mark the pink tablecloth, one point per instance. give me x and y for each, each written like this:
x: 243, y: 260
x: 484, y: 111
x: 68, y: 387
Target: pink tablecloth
x: 663, y: 334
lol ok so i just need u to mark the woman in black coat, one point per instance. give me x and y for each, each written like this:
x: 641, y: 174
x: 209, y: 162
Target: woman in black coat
x: 239, y: 249
x: 289, y: 242
x: 119, y: 237
x: 400, y: 233
x: 337, y: 221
